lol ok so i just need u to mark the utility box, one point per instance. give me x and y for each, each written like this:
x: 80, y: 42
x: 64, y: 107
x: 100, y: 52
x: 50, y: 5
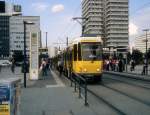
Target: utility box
x: 10, y: 90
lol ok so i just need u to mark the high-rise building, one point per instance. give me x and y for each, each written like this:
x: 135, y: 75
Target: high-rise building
x: 140, y: 42
x: 108, y: 19
x: 17, y: 32
x: 93, y: 11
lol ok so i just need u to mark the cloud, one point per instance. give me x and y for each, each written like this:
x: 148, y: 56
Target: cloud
x: 57, y: 8
x: 40, y: 7
x: 139, y: 21
x: 133, y: 29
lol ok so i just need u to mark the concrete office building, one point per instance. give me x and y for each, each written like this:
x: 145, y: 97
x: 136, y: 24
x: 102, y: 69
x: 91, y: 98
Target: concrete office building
x: 17, y: 32
x: 93, y: 11
x: 108, y: 19
x: 6, y: 11
x: 140, y: 42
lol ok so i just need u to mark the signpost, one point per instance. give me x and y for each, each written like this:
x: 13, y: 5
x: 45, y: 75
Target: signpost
x: 34, y: 56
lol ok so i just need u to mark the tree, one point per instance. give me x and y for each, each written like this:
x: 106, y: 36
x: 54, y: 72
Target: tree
x: 137, y: 56
x: 148, y: 53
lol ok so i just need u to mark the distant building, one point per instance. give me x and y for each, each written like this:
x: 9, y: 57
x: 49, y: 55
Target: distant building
x: 4, y: 36
x: 6, y: 11
x: 12, y: 31
x: 52, y: 51
x: 7, y: 8
x: 17, y: 32
x: 107, y: 18
x: 140, y: 42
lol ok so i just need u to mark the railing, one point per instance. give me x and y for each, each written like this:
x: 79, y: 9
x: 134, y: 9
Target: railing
x: 79, y: 82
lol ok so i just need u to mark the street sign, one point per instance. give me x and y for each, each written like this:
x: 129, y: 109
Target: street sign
x: 34, y: 56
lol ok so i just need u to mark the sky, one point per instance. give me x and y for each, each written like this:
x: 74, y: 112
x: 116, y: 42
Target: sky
x: 56, y: 18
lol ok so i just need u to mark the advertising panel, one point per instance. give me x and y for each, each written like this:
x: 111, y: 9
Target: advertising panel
x: 4, y: 100
x: 34, y: 56
x: 10, y: 91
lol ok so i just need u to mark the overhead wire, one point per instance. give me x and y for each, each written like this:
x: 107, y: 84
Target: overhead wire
x: 68, y: 28
x: 138, y: 9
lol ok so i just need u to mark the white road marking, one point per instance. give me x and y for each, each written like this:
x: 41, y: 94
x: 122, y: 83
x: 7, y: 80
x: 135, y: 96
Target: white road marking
x: 53, y: 86
x: 58, y: 81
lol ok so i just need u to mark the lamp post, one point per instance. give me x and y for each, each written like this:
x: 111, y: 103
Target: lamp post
x: 25, y: 66
x: 83, y: 26
x: 46, y: 39
x: 146, y: 56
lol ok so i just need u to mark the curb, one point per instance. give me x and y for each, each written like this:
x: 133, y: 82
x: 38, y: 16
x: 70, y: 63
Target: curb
x: 128, y: 75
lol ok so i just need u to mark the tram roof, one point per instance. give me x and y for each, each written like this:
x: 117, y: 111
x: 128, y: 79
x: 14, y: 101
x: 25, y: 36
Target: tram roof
x: 87, y: 39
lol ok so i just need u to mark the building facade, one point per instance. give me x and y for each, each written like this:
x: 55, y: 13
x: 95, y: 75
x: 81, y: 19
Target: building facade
x: 4, y: 36
x: 12, y: 29
x: 92, y: 10
x: 140, y: 42
x: 6, y: 11
x: 108, y: 19
x: 17, y: 32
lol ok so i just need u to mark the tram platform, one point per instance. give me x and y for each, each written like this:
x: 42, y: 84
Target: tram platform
x: 49, y: 96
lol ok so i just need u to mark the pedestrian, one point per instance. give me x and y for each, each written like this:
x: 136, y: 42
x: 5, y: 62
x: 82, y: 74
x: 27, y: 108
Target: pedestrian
x: 107, y: 65
x: 116, y: 65
x: 144, y: 68
x: 0, y: 68
x: 60, y: 67
x: 113, y: 64
x: 132, y: 63
x: 120, y: 64
x: 13, y: 65
x: 44, y: 72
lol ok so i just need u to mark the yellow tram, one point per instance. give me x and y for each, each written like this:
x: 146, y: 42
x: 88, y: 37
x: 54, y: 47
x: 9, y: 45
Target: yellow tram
x: 84, y: 57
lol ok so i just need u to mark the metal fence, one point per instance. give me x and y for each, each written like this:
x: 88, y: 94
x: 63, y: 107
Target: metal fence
x: 79, y: 84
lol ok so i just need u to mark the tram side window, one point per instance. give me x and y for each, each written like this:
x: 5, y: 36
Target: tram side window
x: 79, y: 52
x: 75, y: 52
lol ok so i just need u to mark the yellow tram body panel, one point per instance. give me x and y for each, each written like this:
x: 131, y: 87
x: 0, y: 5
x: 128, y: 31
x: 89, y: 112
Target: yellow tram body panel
x: 88, y: 67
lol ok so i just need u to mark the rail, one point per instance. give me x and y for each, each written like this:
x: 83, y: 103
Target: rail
x: 81, y: 83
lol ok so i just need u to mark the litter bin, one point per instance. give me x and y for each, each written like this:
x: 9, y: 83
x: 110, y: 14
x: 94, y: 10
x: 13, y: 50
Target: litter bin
x: 10, y: 90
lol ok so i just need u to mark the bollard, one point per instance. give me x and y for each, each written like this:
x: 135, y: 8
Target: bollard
x: 79, y: 90
x: 75, y: 87
x: 71, y: 81
x: 86, y: 103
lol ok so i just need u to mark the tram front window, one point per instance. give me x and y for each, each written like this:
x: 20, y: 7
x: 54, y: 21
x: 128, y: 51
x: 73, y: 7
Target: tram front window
x: 91, y: 51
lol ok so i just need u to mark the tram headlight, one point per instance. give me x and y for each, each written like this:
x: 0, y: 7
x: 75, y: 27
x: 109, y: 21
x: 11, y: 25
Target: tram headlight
x: 98, y: 69
x: 85, y: 70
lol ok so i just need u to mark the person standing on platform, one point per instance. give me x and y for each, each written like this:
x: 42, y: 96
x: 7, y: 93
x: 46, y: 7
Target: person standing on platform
x: 60, y: 67
x: 0, y: 68
x: 44, y: 72
x: 120, y: 64
x: 13, y: 65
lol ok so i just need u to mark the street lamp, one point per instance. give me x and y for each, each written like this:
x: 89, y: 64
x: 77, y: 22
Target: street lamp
x: 80, y: 18
x: 24, y: 67
x: 46, y: 39
x: 146, y: 56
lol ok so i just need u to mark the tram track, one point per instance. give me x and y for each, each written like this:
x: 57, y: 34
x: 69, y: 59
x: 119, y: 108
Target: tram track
x: 129, y: 83
x: 106, y: 102
x: 112, y: 90
x: 126, y: 94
